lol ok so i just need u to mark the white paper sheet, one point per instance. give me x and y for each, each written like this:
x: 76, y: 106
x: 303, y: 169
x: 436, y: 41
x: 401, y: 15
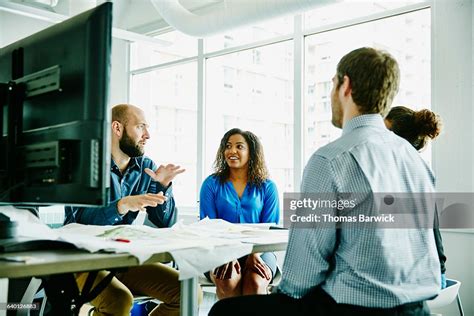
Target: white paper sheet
x: 29, y: 226
x: 196, y: 248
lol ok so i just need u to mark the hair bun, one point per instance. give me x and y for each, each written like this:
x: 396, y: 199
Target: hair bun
x: 428, y: 122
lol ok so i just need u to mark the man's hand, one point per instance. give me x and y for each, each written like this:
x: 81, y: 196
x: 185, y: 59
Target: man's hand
x: 224, y: 272
x: 137, y: 203
x: 164, y: 174
x: 255, y: 263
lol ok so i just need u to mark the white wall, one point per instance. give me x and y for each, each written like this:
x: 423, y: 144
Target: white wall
x: 14, y: 27
x: 119, y: 73
x: 452, y: 94
x: 453, y: 153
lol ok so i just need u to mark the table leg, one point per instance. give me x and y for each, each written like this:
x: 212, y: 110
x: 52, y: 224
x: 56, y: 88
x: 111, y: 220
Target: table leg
x: 189, y: 297
x: 3, y: 296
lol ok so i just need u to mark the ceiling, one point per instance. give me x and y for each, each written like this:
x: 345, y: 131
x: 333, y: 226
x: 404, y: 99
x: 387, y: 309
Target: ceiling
x: 133, y: 19
x: 138, y: 16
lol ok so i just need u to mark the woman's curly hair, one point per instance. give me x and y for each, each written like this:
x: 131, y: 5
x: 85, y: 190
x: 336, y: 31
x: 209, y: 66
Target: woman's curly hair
x: 257, y: 170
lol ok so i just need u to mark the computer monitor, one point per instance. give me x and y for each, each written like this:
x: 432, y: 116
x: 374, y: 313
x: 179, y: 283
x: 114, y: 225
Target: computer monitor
x: 55, y: 141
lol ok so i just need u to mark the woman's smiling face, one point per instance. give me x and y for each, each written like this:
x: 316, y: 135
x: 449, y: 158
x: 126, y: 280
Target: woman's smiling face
x: 237, y: 152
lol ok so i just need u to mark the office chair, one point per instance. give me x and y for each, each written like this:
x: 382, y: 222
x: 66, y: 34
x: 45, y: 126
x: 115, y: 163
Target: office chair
x: 447, y: 296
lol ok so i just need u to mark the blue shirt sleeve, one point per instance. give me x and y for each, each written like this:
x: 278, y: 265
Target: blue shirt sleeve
x: 271, y: 204
x: 107, y: 215
x: 207, y: 198
x: 163, y: 215
x: 139, y: 182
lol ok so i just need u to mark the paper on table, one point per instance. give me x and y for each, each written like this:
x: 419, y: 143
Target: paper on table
x: 19, y: 214
x: 192, y: 262
x: 196, y: 248
x: 219, y: 228
x: 266, y: 237
x: 144, y: 241
x: 29, y: 226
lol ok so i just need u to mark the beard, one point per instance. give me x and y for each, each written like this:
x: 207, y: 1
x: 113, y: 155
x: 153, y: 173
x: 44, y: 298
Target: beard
x: 128, y: 146
x: 336, y: 108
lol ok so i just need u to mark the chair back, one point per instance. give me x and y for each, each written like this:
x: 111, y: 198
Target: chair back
x: 447, y: 295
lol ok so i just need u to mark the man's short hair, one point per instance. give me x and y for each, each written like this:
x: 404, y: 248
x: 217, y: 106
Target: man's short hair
x: 120, y: 113
x: 374, y: 76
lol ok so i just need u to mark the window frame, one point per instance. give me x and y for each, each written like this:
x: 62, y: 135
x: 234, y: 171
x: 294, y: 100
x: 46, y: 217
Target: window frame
x: 298, y: 37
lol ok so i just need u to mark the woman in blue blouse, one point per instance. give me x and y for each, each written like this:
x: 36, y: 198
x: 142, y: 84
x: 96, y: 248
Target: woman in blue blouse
x: 240, y: 192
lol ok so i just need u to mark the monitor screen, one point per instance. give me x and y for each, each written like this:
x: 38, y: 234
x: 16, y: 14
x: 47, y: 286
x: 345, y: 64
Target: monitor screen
x: 54, y: 85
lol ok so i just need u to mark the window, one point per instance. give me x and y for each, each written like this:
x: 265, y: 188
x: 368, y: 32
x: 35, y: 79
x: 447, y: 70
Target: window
x: 350, y: 9
x: 413, y: 57
x: 249, y: 34
x: 263, y: 105
x: 253, y: 88
x: 175, y: 46
x: 169, y: 97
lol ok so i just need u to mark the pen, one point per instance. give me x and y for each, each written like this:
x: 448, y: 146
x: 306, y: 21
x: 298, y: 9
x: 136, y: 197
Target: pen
x: 121, y: 239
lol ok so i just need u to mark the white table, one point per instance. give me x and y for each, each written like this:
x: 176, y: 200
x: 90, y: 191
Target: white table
x: 69, y: 261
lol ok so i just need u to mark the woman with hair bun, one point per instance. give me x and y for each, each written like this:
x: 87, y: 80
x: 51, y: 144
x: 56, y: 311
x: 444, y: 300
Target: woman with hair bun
x: 418, y: 127
x: 240, y: 192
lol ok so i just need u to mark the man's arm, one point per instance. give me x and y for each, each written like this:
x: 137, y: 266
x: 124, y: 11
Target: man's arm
x: 122, y: 211
x: 107, y: 215
x: 163, y: 215
x: 311, y: 251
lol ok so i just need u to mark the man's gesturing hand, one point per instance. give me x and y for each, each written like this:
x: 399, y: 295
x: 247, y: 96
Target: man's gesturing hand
x: 136, y: 203
x: 164, y: 174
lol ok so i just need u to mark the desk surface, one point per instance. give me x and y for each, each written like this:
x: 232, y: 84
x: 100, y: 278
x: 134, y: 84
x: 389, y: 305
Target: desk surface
x: 47, y: 262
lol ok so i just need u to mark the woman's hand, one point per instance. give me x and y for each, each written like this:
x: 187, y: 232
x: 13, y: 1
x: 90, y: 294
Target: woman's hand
x: 255, y: 263
x: 224, y: 272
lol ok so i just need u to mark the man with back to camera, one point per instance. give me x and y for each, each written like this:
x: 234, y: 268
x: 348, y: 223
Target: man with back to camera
x: 136, y: 185
x: 354, y: 271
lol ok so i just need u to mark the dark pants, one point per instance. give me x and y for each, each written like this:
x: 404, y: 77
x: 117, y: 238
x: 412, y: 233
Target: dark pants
x: 316, y: 303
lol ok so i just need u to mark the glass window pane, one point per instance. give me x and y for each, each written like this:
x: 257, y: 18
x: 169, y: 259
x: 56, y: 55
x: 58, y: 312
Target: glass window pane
x: 253, y: 90
x: 169, y: 98
x: 409, y: 42
x: 249, y: 34
x: 350, y: 9
x: 145, y: 54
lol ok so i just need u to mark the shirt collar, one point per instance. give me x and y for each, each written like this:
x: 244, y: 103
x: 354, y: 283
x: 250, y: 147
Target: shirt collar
x: 134, y: 163
x: 374, y: 120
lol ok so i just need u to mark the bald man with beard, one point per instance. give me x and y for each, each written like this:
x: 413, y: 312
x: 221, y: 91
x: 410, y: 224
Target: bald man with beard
x: 137, y: 185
